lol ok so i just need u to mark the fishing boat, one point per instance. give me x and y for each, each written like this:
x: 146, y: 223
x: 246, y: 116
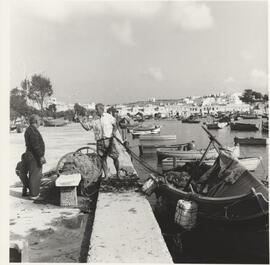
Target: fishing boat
x: 55, y: 122
x: 216, y: 125
x: 164, y: 137
x: 249, y: 116
x: 149, y: 143
x: 250, y: 141
x: 169, y: 163
x: 182, y: 153
x: 265, y: 126
x: 191, y: 119
x: 225, y: 192
x: 145, y: 130
x: 237, y: 126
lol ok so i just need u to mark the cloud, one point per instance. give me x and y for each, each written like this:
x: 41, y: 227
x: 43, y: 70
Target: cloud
x: 57, y: 11
x: 192, y: 15
x: 258, y: 78
x: 60, y: 11
x: 246, y: 55
x: 123, y: 32
x: 229, y: 79
x: 154, y: 73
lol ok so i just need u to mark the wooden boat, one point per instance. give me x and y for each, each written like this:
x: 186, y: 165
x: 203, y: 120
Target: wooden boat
x: 250, y: 163
x: 227, y: 192
x: 191, y: 119
x: 151, y: 148
x: 250, y: 141
x: 249, y: 116
x: 265, y: 126
x: 154, y: 129
x: 55, y: 122
x: 157, y: 137
x: 216, y: 125
x: 182, y: 153
x: 237, y: 126
x: 149, y: 143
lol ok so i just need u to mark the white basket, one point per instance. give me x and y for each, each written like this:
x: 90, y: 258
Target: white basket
x: 149, y: 186
x: 186, y: 214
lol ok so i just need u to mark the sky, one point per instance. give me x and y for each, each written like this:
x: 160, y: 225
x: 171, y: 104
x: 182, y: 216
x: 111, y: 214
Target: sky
x: 117, y: 52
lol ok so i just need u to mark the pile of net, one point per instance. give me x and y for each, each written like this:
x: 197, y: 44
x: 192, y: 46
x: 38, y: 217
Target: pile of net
x: 120, y: 184
x: 88, y: 165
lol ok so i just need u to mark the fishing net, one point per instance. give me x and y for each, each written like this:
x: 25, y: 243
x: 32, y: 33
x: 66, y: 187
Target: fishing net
x: 88, y: 165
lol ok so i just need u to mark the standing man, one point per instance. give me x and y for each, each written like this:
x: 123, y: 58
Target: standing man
x: 32, y: 159
x: 104, y: 127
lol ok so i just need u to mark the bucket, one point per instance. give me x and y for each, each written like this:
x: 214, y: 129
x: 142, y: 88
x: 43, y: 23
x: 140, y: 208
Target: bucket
x: 186, y: 214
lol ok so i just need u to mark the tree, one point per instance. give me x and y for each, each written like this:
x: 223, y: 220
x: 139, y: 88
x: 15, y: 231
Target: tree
x: 39, y: 88
x: 18, y: 104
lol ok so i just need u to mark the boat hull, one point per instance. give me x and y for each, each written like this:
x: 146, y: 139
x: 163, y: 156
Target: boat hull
x: 191, y: 121
x: 244, y: 127
x: 55, y: 123
x: 163, y: 153
x: 137, y: 133
x: 216, y: 209
x: 251, y: 141
x: 216, y: 125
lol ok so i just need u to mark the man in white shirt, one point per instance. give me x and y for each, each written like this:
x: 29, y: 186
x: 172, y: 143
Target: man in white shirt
x: 104, y: 127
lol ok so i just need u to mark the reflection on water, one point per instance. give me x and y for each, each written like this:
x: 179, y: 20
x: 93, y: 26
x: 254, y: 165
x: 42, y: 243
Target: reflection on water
x: 209, y: 244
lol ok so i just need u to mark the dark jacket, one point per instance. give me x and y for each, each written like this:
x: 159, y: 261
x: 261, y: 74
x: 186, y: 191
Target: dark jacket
x: 34, y: 142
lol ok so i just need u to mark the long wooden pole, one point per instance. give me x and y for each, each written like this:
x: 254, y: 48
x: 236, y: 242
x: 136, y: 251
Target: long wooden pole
x: 212, y: 139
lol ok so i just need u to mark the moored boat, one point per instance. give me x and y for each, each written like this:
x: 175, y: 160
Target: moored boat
x: 157, y: 137
x: 143, y: 130
x: 265, y: 126
x: 216, y: 125
x: 226, y: 192
x: 237, y: 126
x: 249, y: 116
x: 250, y: 163
x: 191, y: 119
x: 250, y: 141
x: 55, y: 122
x: 183, y: 153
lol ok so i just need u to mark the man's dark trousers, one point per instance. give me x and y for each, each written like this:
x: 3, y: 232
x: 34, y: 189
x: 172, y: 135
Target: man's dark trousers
x: 31, y: 173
